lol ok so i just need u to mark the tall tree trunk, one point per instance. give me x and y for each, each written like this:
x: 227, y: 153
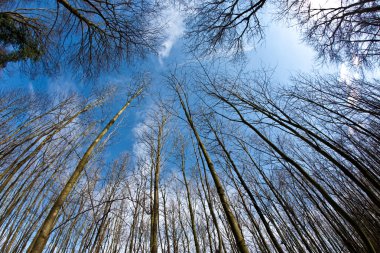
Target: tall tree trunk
x: 338, y: 208
x: 238, y: 235
x: 246, y: 188
x: 155, y: 208
x: 42, y: 236
x: 191, y: 211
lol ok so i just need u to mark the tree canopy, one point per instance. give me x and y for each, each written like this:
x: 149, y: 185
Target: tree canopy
x: 338, y: 30
x: 206, y: 156
x: 90, y: 35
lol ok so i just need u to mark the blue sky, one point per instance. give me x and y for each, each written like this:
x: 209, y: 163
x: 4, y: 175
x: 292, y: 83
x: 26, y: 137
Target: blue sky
x: 281, y: 50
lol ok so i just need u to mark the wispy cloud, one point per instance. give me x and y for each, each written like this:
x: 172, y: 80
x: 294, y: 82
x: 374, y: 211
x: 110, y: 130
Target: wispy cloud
x: 325, y: 3
x: 173, y: 21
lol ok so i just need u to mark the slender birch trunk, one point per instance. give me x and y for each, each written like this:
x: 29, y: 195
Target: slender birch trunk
x: 42, y: 236
x: 191, y: 211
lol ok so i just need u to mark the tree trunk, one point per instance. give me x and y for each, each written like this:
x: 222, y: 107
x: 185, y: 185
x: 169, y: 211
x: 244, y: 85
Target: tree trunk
x: 42, y: 236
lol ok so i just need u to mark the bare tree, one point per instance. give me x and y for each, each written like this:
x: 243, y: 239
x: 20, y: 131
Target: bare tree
x: 42, y: 236
x: 226, y: 24
x: 338, y: 30
x: 237, y: 233
x: 90, y: 35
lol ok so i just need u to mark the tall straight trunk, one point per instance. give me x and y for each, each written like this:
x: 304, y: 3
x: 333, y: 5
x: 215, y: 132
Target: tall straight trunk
x: 336, y: 223
x: 136, y: 215
x: 155, y: 208
x: 209, y: 200
x: 13, y: 168
x: 74, y: 224
x: 155, y: 212
x: 166, y: 224
x: 140, y: 233
x: 102, y: 229
x: 285, y: 206
x: 133, y: 226
x: 191, y: 211
x: 338, y: 208
x: 289, y: 123
x: 29, y: 121
x: 233, y: 223
x: 174, y: 231
x: 247, y: 189
x: 42, y: 236
x: 208, y: 225
x: 181, y: 222
x: 263, y: 246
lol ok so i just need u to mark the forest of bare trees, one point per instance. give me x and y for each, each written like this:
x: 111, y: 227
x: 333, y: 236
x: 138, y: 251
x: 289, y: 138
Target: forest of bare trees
x: 225, y: 160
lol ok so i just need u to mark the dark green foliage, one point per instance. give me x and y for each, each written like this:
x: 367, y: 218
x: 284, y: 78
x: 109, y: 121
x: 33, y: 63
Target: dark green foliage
x: 17, y: 41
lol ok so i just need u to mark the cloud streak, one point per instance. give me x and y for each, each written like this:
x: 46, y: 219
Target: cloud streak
x: 174, y: 29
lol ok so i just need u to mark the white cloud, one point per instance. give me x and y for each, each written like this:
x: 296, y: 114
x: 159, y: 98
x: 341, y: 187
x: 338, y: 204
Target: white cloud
x: 139, y: 148
x: 344, y: 72
x: 174, y: 28
x: 31, y: 90
x: 325, y: 3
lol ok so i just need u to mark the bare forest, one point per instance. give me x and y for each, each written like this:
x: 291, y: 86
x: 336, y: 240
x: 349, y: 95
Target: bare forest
x: 224, y: 159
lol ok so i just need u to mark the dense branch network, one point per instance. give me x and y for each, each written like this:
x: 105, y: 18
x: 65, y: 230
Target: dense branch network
x: 94, y: 35
x: 339, y: 30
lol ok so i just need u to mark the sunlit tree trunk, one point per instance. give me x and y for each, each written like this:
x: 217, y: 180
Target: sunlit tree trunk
x: 238, y: 235
x: 190, y: 207
x: 42, y: 235
x: 157, y: 167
